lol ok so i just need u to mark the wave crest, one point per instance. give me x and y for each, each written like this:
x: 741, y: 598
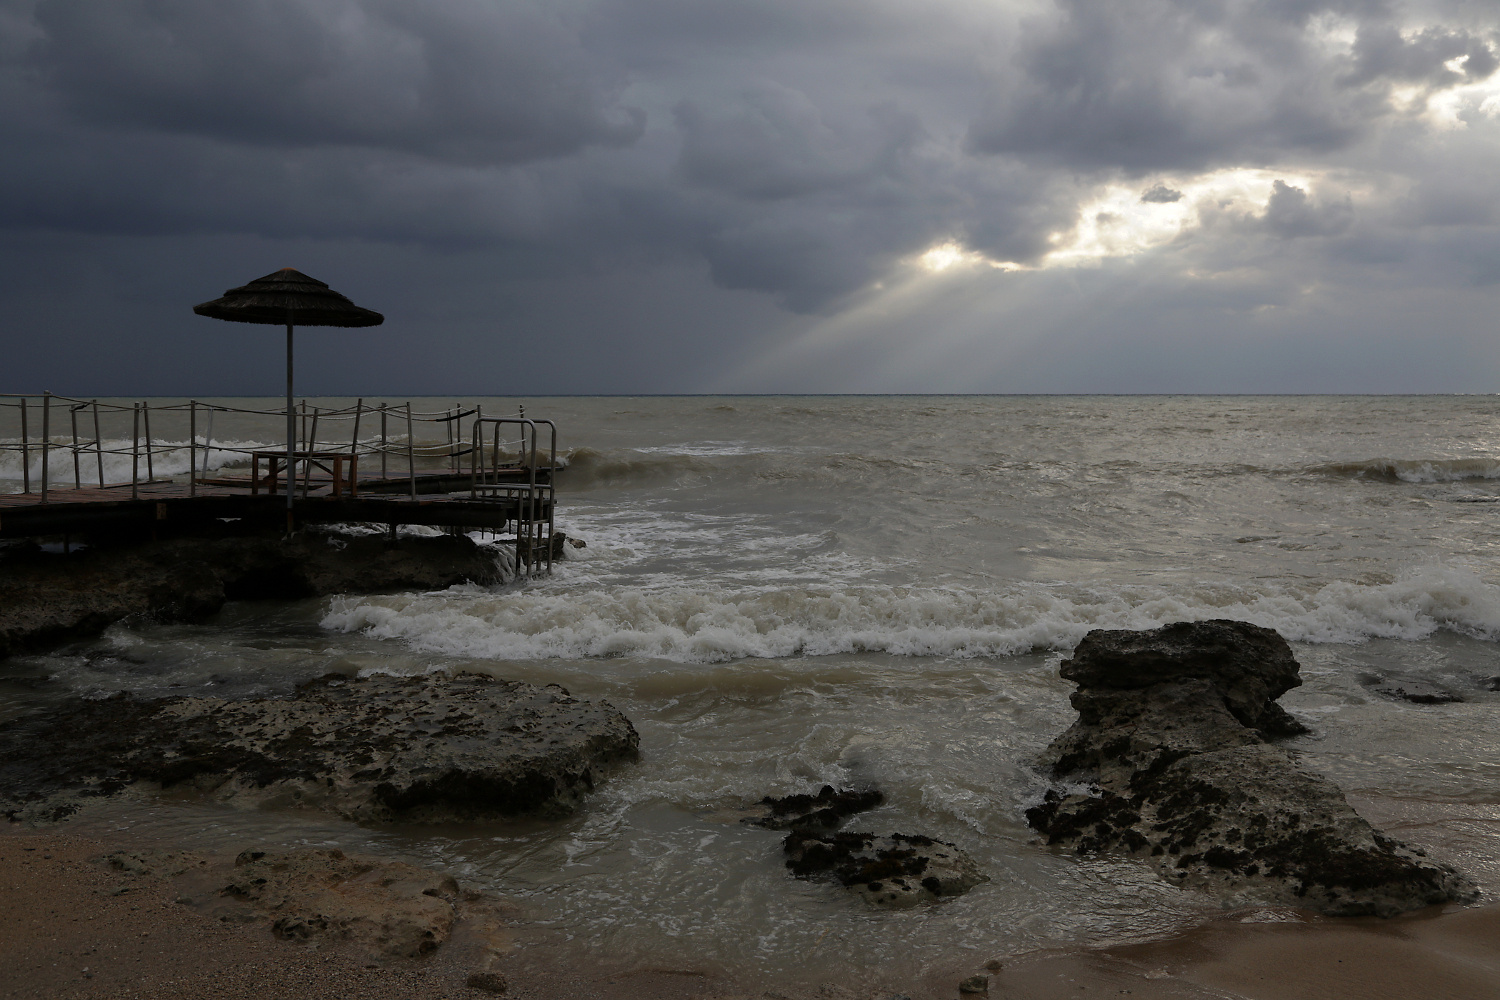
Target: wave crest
x: 710, y: 625
x: 1428, y: 470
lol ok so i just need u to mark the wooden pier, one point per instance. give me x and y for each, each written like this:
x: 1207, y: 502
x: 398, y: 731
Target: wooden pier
x: 491, y: 474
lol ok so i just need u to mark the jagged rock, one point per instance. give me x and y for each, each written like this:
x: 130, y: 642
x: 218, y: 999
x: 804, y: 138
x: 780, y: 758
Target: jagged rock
x: 1250, y: 666
x: 315, y: 897
x: 418, y: 749
x: 975, y: 984
x: 47, y: 598
x: 1172, y: 750
x: 826, y: 810
x: 1414, y: 690
x: 894, y: 871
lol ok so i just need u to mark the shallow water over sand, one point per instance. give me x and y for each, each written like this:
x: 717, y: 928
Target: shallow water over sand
x: 782, y: 592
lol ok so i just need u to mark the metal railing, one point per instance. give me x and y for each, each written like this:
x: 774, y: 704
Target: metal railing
x: 97, y: 439
x: 534, y: 498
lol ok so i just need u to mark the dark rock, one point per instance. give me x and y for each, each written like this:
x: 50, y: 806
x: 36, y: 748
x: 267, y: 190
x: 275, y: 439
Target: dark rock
x: 1492, y: 684
x: 1175, y: 772
x: 47, y: 599
x: 1249, y: 666
x: 975, y: 984
x: 489, y: 982
x: 826, y: 810
x: 424, y: 749
x: 1418, y: 692
x: 894, y: 871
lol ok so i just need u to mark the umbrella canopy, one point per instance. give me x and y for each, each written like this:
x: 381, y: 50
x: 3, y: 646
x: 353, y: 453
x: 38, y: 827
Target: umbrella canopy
x: 288, y: 297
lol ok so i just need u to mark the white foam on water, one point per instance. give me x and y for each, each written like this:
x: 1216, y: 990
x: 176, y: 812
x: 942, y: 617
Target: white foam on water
x: 169, y: 458
x: 715, y: 623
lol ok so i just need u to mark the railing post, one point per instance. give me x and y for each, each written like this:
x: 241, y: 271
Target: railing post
x: 146, y: 421
x: 135, y: 451
x: 208, y: 440
x: 359, y: 409
x: 411, y: 453
x: 46, y: 433
x: 383, y: 408
x: 25, y: 451
x: 312, y: 449
x: 192, y: 447
x: 98, y: 444
x: 474, y: 461
x: 73, y: 419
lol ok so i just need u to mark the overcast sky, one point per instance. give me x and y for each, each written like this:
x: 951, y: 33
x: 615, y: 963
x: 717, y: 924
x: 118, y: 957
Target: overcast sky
x: 756, y: 195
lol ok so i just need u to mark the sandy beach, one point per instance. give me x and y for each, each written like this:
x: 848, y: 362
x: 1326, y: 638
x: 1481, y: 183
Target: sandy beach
x: 67, y: 931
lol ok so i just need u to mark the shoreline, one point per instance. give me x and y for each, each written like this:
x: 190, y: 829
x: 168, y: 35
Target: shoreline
x: 66, y: 931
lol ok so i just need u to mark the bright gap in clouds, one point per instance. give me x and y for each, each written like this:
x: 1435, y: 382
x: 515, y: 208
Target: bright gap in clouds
x: 946, y: 255
x: 1452, y: 108
x: 1124, y: 220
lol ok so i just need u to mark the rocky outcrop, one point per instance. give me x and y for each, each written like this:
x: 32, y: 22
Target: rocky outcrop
x: 49, y: 598
x: 886, y: 871
x: 896, y: 871
x: 416, y: 749
x: 1170, y: 749
x: 824, y: 811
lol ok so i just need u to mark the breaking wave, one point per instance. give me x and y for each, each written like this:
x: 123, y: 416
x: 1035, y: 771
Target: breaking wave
x: 589, y: 467
x: 169, y: 458
x: 715, y: 624
x: 1392, y: 470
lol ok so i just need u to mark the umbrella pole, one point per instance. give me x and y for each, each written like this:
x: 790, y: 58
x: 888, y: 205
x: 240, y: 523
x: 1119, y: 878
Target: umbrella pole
x: 291, y: 430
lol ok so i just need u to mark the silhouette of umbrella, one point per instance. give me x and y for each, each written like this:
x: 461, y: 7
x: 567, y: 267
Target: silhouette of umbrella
x: 288, y: 297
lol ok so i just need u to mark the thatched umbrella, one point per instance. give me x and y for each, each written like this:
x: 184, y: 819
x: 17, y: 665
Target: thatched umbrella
x: 292, y: 298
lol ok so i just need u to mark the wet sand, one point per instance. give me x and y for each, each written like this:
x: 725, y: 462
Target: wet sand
x: 1451, y: 953
x: 66, y: 932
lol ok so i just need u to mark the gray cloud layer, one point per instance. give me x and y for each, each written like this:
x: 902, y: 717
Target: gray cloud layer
x: 704, y: 184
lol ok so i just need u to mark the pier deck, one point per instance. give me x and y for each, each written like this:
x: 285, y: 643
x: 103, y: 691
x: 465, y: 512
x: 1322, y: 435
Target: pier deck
x: 484, y: 480
x: 91, y: 509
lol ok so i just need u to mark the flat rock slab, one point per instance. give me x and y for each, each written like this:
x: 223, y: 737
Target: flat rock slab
x: 895, y: 871
x: 1412, y: 689
x: 434, y: 748
x: 1169, y: 760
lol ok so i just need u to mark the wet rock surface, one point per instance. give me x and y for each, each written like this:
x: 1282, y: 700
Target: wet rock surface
x: 50, y: 598
x: 895, y: 871
x: 826, y: 810
x: 1170, y: 750
x: 898, y: 870
x: 1412, y: 689
x: 417, y: 749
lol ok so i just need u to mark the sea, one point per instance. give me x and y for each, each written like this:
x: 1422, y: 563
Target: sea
x: 783, y: 592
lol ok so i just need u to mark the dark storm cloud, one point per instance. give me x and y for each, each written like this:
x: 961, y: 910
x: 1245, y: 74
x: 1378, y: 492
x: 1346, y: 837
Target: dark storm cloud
x: 1290, y: 213
x: 1180, y: 84
x: 774, y: 142
x: 462, y: 79
x: 800, y: 154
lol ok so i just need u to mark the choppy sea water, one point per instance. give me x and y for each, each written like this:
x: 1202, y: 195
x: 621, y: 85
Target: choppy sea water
x: 783, y: 592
